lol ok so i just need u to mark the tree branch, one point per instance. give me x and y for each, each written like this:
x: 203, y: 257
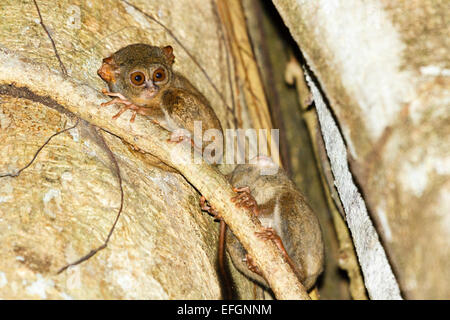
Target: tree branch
x: 84, y: 101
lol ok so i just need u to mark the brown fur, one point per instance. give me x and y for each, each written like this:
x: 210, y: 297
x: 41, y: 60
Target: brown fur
x: 176, y: 103
x: 283, y: 208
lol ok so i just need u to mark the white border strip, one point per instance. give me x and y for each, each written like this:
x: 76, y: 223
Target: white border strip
x: 378, y: 276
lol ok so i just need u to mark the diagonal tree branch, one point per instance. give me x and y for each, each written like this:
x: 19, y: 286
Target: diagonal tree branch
x: 84, y: 101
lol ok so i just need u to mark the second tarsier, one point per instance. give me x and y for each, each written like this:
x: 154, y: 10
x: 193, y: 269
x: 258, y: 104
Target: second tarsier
x: 141, y: 78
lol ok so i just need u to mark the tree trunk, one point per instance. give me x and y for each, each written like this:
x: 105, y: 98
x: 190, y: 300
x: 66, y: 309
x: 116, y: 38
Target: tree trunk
x: 379, y: 76
x: 383, y: 70
x: 64, y: 203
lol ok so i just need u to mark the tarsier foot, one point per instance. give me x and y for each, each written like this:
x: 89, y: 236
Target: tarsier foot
x: 122, y: 110
x: 119, y: 98
x: 270, y: 234
x: 208, y: 208
x: 245, y: 199
x: 252, y: 266
x: 114, y: 94
x: 177, y: 138
x: 115, y: 100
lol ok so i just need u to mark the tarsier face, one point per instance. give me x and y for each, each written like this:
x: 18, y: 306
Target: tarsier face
x: 145, y: 81
x: 138, y: 71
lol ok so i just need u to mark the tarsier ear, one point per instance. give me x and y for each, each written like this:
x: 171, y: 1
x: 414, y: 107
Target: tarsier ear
x: 168, y: 51
x: 106, y: 71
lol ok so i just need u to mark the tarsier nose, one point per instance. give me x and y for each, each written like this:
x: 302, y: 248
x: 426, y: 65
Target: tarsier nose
x: 149, y: 85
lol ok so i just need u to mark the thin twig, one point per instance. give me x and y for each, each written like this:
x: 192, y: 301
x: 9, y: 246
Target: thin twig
x: 105, y: 244
x: 15, y: 174
x: 61, y: 64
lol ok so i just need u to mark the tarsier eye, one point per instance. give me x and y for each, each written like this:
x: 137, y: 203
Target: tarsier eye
x: 137, y: 78
x: 159, y: 75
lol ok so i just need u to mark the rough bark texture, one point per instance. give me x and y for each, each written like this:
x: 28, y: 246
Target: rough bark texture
x: 384, y: 69
x: 63, y: 205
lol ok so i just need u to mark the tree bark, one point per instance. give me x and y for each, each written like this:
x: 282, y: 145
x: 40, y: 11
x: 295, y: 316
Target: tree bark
x: 60, y: 205
x: 64, y: 204
x: 383, y: 69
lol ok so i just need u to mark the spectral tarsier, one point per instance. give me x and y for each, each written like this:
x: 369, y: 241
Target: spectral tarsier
x: 141, y: 78
x: 287, y: 218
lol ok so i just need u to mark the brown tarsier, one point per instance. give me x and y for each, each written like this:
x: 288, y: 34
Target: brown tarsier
x: 287, y: 218
x: 141, y: 78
